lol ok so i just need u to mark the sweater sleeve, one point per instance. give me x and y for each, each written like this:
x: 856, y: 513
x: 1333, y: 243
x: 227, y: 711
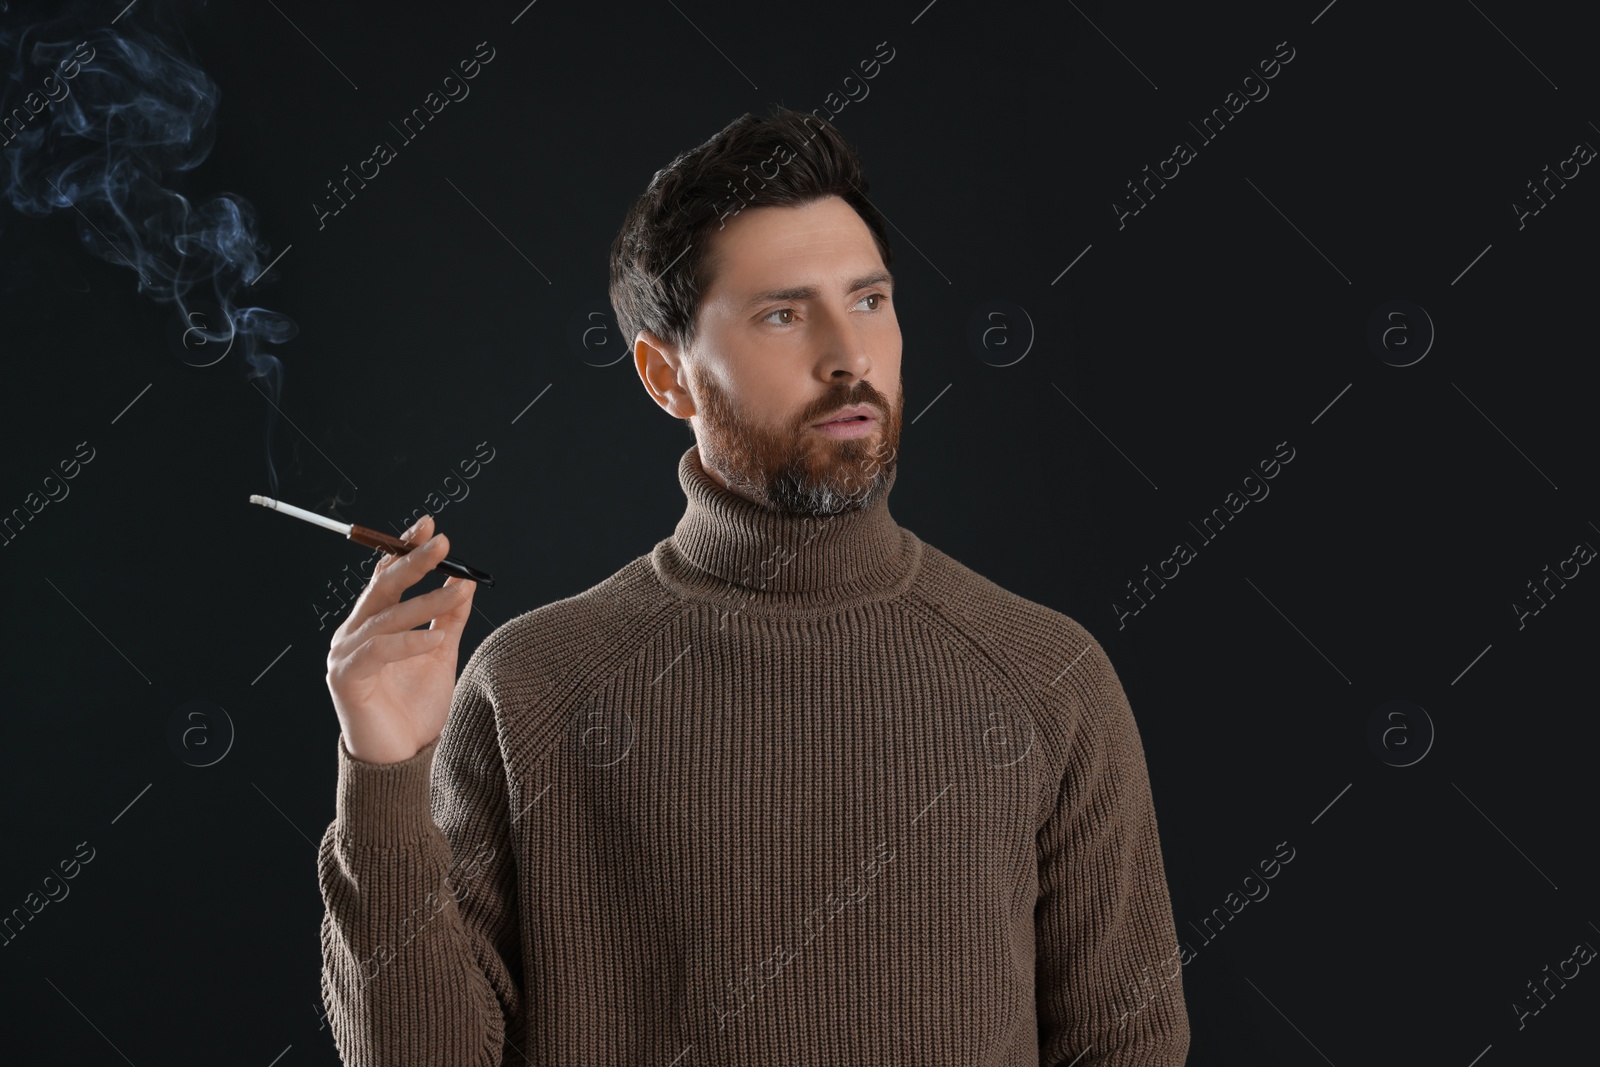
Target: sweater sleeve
x: 420, y: 935
x: 1109, y: 980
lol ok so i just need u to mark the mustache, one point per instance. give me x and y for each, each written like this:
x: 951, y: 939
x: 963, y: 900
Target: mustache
x: 865, y: 393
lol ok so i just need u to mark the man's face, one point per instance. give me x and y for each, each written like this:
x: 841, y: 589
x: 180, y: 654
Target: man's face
x: 796, y: 325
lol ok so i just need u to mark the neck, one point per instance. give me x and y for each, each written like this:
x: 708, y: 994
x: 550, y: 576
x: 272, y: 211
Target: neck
x: 747, y: 557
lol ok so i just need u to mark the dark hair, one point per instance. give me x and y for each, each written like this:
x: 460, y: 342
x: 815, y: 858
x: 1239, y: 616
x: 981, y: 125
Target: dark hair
x: 660, y: 259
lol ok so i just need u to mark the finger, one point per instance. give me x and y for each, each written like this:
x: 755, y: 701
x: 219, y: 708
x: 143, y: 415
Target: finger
x: 390, y: 582
x: 416, y: 536
x: 419, y: 532
x: 380, y: 650
x: 437, y: 545
x: 411, y: 613
x: 455, y: 619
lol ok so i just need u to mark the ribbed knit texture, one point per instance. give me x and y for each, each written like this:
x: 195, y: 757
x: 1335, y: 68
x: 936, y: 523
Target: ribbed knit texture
x: 784, y: 790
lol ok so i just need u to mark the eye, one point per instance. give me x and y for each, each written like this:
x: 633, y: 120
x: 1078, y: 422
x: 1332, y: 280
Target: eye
x: 879, y: 297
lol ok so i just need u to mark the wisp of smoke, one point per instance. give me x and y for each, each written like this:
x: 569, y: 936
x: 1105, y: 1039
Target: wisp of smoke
x: 101, y: 119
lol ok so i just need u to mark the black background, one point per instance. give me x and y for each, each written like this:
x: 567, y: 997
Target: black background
x: 1230, y: 315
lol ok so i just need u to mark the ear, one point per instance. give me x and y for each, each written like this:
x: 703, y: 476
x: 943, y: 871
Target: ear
x: 665, y: 375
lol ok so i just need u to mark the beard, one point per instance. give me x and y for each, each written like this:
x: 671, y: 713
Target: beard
x: 796, y: 470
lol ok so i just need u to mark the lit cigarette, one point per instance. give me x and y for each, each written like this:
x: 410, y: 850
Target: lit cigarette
x: 363, y: 535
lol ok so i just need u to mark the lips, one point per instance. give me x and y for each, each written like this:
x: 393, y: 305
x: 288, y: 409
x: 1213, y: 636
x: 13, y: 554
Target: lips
x: 859, y: 412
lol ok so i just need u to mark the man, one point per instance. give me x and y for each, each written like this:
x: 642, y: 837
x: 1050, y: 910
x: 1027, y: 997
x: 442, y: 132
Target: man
x: 796, y: 786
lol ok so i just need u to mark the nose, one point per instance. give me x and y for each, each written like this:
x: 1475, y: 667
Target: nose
x: 842, y: 349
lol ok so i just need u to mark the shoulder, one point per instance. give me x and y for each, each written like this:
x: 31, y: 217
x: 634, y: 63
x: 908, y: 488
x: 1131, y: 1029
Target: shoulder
x: 1052, y: 682
x: 1040, y: 648
x: 530, y: 657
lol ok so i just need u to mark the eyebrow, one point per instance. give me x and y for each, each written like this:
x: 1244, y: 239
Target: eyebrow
x: 811, y: 292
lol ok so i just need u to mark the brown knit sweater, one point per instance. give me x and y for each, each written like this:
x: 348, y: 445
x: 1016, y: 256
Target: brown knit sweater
x: 784, y: 790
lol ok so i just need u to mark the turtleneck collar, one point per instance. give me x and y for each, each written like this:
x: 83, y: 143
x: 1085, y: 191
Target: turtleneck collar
x: 745, y: 557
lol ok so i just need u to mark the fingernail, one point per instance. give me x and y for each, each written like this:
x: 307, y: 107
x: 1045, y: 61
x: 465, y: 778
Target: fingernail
x: 414, y: 528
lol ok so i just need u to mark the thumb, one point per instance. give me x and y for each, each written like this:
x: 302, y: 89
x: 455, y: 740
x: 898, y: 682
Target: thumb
x: 456, y: 618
